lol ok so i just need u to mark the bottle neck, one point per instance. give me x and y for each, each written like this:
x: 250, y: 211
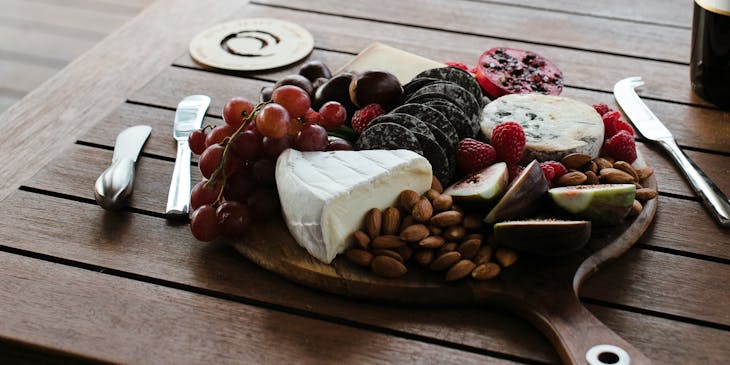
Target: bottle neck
x: 715, y: 6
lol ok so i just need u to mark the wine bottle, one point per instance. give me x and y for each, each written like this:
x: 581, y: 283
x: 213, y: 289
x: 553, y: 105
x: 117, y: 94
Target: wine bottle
x: 710, y: 61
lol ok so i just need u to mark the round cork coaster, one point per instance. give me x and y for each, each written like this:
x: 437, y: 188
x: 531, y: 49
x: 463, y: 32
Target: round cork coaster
x: 251, y: 44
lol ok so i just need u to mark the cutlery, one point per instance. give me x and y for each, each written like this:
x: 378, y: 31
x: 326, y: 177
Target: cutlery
x: 115, y: 184
x: 652, y: 129
x: 188, y: 117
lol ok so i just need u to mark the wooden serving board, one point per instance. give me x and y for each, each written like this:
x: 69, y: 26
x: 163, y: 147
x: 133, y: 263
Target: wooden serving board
x: 543, y: 290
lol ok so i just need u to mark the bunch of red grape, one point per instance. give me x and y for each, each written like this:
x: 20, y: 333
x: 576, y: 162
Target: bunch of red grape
x: 237, y: 159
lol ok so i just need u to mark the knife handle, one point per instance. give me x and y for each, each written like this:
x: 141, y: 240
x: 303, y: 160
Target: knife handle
x: 115, y: 184
x: 710, y: 194
x: 178, y: 199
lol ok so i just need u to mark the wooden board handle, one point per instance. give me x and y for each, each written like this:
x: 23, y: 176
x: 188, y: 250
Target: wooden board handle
x: 578, y: 336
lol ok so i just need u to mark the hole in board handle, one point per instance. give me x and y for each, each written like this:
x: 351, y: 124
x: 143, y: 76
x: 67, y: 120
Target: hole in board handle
x: 607, y: 355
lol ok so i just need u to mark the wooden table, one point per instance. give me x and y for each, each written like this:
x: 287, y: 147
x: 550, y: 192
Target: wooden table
x: 81, y: 284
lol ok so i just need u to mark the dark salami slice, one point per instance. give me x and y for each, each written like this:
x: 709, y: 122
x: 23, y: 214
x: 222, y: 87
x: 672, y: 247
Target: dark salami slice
x: 437, y: 157
x: 412, y: 123
x: 417, y: 83
x: 388, y: 136
x: 457, y: 76
x: 455, y: 94
x: 463, y: 125
x: 431, y: 116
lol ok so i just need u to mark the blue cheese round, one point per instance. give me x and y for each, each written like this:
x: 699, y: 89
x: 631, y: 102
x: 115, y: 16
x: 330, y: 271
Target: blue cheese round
x: 554, y: 126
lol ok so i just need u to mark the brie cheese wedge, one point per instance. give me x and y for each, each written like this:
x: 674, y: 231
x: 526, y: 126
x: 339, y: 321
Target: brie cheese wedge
x: 325, y: 195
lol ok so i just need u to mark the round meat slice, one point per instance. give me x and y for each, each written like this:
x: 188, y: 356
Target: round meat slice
x: 453, y: 93
x: 412, y: 123
x: 417, y: 83
x: 388, y: 136
x: 437, y: 157
x: 457, y: 76
x: 464, y: 126
x: 431, y: 116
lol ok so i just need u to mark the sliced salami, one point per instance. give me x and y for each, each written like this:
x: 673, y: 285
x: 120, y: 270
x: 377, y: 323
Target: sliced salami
x: 433, y: 117
x: 412, y: 123
x: 464, y: 126
x: 437, y: 157
x: 457, y: 76
x: 453, y: 93
x: 388, y: 136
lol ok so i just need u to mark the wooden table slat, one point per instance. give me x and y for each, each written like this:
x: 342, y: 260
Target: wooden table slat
x: 80, y: 303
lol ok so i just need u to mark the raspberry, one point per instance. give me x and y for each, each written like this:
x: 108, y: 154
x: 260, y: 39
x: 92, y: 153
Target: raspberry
x: 609, y: 123
x: 623, y: 126
x: 364, y: 116
x: 601, y: 108
x: 621, y: 147
x: 508, y: 139
x: 552, y: 169
x: 458, y: 65
x: 472, y: 155
x: 514, y: 171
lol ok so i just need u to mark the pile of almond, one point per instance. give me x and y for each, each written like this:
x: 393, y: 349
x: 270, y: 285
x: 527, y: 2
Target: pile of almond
x: 582, y: 170
x: 430, y: 230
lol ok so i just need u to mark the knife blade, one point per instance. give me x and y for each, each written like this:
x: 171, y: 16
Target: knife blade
x: 654, y: 130
x: 188, y: 117
x: 114, y: 186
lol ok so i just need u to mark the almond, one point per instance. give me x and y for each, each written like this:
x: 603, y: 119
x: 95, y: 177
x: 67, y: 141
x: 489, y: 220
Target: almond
x: 407, y: 222
x: 373, y: 222
x: 602, y: 163
x: 388, y: 267
x: 423, y: 257
x: 387, y: 241
x: 359, y: 256
x: 469, y: 248
x: 474, y: 235
x: 390, y: 253
x: 445, y: 261
x: 454, y: 233
x: 405, y: 252
x: 414, y: 233
x: 575, y: 160
x: 447, y: 218
x: 615, y: 176
x: 448, y: 247
x: 443, y: 202
x: 407, y: 199
x: 572, y: 178
x: 626, y: 167
x: 460, y: 270
x: 361, y: 239
x: 591, y: 178
x: 431, y: 195
x: 432, y: 242
x: 391, y: 220
x: 435, y: 231
x: 436, y: 184
x: 505, y: 257
x: 636, y: 208
x: 644, y: 172
x: 473, y: 222
x: 423, y: 210
x: 486, y: 271
x: 483, y: 256
x: 645, y: 194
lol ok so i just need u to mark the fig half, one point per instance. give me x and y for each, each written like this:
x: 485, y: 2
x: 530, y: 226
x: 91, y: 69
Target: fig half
x: 522, y: 198
x: 548, y: 237
x: 605, y: 204
x: 481, y: 189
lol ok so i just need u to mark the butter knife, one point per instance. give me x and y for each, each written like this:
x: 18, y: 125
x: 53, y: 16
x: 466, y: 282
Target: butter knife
x: 652, y: 129
x: 115, y: 184
x: 188, y: 117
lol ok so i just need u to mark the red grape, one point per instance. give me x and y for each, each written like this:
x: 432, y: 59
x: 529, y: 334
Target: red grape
x: 239, y: 186
x: 204, y: 223
x: 233, y: 218
x: 209, y: 160
x: 263, y: 172
x: 196, y: 141
x: 312, y: 137
x: 273, y: 147
x: 248, y: 145
x: 263, y: 203
x: 338, y: 144
x: 295, y: 125
x: 236, y: 110
x: 332, y: 115
x: 293, y: 99
x: 273, y: 121
x: 218, y: 134
x: 202, y: 195
x: 234, y: 164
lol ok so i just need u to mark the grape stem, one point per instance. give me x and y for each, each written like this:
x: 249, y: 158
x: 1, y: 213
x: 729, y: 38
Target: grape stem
x: 219, y: 173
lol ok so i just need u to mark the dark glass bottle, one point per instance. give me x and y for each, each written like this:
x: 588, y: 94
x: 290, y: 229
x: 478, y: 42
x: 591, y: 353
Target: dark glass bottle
x: 710, y: 61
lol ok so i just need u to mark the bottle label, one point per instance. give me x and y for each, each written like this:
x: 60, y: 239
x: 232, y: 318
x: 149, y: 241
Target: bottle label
x: 715, y: 6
